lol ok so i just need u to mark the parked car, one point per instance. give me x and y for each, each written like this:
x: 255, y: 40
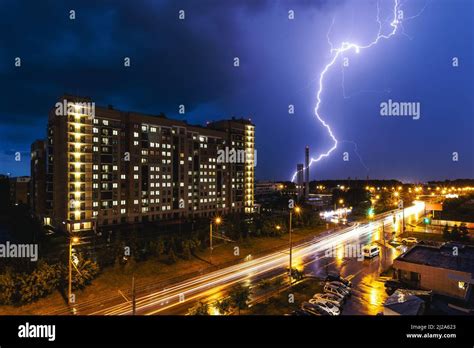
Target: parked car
x: 409, y: 240
x: 312, y: 310
x: 336, y: 299
x: 337, y: 277
x: 341, y: 285
x: 370, y: 251
x: 326, y: 305
x: 334, y: 289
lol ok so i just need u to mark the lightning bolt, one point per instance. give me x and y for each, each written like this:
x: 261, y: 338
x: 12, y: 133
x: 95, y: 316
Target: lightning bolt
x: 336, y: 53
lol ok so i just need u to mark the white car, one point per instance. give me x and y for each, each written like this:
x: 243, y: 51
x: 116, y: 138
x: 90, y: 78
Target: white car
x: 371, y: 250
x: 409, y: 240
x: 336, y: 299
x: 333, y: 289
x: 326, y: 305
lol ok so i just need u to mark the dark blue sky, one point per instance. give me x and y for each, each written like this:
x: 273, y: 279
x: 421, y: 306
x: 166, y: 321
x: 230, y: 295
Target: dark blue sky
x: 190, y: 62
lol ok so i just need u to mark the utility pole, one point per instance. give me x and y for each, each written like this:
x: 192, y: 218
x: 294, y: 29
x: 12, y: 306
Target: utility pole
x: 210, y: 242
x: 297, y: 211
x: 69, y: 292
x: 384, y: 242
x: 403, y: 216
x: 291, y: 252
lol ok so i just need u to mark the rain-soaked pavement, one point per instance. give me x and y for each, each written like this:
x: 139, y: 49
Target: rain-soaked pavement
x: 368, y: 291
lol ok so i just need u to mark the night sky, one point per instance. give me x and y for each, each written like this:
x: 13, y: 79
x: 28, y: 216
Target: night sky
x: 190, y: 62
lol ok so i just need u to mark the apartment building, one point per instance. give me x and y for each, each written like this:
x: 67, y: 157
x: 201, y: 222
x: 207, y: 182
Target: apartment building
x: 109, y: 167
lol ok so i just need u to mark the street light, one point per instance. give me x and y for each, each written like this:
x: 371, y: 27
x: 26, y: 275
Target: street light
x: 297, y: 211
x: 217, y: 221
x: 72, y: 241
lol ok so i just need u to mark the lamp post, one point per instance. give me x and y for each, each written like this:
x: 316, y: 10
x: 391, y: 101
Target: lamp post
x: 297, y: 211
x: 217, y: 221
x: 72, y: 241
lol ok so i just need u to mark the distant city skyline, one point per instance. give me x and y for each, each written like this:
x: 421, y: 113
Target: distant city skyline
x: 191, y: 62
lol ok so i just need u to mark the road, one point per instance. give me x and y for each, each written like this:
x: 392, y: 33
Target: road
x: 177, y: 298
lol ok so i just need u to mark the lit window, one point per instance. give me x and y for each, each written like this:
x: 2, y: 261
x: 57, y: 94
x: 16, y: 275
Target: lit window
x: 135, y: 134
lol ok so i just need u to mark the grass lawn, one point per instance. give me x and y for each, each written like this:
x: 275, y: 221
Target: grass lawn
x: 153, y: 272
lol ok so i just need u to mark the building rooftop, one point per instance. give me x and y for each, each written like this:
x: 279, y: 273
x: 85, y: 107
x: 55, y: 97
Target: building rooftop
x: 404, y: 303
x: 442, y: 256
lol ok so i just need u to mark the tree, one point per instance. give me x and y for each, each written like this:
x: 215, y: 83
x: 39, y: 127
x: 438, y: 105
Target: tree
x: 224, y: 305
x: 172, y: 257
x: 7, y: 288
x: 199, y: 309
x: 240, y: 296
x: 296, y: 274
x: 446, y: 234
x: 455, y: 235
x: 86, y: 271
x: 464, y: 233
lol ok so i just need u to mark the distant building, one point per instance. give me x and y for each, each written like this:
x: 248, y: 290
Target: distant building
x: 20, y: 190
x: 263, y: 188
x: 320, y: 200
x: 447, y: 270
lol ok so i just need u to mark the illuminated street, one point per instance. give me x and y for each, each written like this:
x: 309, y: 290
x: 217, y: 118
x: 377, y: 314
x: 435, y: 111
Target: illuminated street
x: 178, y: 298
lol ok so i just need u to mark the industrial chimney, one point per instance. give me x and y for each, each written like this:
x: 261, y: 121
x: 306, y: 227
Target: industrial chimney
x: 306, y: 188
